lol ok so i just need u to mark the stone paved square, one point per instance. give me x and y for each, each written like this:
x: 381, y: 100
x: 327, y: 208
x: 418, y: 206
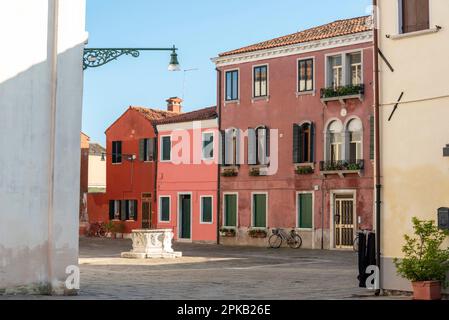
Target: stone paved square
x: 218, y: 272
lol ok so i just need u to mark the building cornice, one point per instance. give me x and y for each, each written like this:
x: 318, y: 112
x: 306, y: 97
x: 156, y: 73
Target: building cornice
x: 300, y: 48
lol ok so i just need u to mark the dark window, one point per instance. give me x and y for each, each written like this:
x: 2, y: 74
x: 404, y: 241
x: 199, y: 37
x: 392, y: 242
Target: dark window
x: 305, y: 74
x: 164, y: 209
x: 208, y: 145
x: 123, y: 210
x: 116, y: 152
x: 115, y: 209
x: 415, y: 15
x: 166, y: 149
x: 232, y: 85
x: 303, y: 143
x: 206, y: 209
x: 260, y: 81
x: 147, y: 150
x: 131, y: 209
x: 230, y: 208
x: 260, y: 210
x: 305, y: 211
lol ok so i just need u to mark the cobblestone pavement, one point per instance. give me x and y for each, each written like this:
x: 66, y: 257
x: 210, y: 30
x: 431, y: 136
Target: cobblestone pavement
x: 218, y: 272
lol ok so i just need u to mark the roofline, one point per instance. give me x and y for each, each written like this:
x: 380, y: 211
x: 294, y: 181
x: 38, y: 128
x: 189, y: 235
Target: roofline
x: 295, y: 49
x: 186, y: 121
x: 116, y: 120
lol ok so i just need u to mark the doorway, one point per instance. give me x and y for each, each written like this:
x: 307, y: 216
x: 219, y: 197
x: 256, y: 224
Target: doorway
x: 146, y: 215
x: 344, y: 221
x: 185, y: 216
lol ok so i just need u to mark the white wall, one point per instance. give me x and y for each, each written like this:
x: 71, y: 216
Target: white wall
x: 97, y: 172
x: 39, y: 237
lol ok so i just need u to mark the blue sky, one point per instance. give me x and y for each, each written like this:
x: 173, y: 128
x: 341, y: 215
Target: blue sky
x: 200, y: 29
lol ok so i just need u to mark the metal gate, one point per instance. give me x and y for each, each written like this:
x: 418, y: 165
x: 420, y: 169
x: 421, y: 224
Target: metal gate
x: 344, y: 221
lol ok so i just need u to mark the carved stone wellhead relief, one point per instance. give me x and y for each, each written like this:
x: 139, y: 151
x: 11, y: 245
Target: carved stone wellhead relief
x: 152, y: 244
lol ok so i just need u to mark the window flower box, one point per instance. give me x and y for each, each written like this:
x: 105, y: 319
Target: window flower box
x: 341, y: 167
x: 227, y: 232
x: 303, y: 170
x: 257, y: 233
x: 229, y: 172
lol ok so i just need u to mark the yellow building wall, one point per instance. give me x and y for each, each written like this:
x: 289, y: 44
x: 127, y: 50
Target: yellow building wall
x: 415, y: 175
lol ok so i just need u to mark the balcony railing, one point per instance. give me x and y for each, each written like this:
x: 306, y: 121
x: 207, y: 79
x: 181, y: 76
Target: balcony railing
x: 341, y: 92
x: 342, y: 165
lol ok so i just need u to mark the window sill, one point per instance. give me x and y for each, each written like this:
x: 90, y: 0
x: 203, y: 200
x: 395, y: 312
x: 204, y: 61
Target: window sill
x: 305, y: 164
x: 306, y: 93
x: 341, y: 173
x: 413, y: 34
x: 117, y: 164
x: 206, y: 223
x: 264, y: 98
x: 232, y: 102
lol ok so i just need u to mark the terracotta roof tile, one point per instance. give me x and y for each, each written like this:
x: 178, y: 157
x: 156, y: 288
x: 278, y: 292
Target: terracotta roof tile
x: 96, y: 149
x: 197, y: 115
x: 154, y: 114
x: 330, y: 30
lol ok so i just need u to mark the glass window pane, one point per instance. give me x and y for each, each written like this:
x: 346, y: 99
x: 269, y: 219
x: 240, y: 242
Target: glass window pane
x: 166, y: 148
x: 206, y: 206
x: 165, y: 208
x: 208, y: 145
x: 228, y: 86
x: 235, y: 81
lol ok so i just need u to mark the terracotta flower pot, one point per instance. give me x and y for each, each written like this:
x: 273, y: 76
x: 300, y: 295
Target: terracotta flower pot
x: 426, y: 290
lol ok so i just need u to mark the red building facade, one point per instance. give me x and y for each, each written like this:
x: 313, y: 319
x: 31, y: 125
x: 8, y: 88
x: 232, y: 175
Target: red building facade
x: 187, y: 175
x: 297, y: 116
x: 131, y: 151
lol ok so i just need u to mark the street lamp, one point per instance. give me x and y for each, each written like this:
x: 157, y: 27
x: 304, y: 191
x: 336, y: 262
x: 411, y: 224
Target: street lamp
x: 97, y: 57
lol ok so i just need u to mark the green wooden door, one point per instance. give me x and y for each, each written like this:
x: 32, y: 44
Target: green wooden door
x: 260, y: 210
x: 230, y: 210
x: 185, y: 216
x: 305, y: 211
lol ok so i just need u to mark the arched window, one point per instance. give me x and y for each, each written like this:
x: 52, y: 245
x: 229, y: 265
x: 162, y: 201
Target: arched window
x: 303, y: 143
x: 258, y: 146
x: 334, y: 131
x: 354, y: 129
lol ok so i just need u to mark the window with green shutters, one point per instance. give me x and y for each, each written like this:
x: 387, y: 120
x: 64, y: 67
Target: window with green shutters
x: 147, y: 150
x: 259, y: 210
x: 305, y: 211
x: 166, y: 148
x: 164, y: 209
x: 230, y: 208
x: 206, y: 209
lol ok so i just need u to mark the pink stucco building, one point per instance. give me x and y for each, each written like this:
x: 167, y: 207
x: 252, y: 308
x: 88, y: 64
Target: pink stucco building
x: 187, y: 175
x: 297, y: 116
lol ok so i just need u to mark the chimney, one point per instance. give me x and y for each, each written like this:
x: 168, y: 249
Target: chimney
x: 174, y: 104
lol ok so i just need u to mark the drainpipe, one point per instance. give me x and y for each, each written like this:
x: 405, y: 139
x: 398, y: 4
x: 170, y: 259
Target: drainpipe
x: 53, y: 61
x: 155, y: 203
x: 377, y: 139
x: 219, y: 153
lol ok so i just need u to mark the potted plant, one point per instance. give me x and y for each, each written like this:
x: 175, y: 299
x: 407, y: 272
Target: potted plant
x: 254, y: 172
x: 229, y: 173
x: 119, y: 229
x: 257, y: 233
x: 304, y: 170
x: 425, y: 263
x: 110, y: 229
x: 227, y: 232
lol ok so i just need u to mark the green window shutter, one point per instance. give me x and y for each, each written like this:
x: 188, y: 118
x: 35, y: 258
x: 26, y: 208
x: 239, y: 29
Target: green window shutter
x: 153, y: 149
x: 305, y: 211
x: 136, y: 210
x: 312, y: 142
x: 206, y: 206
x: 165, y: 208
x: 260, y: 210
x: 111, y: 209
x: 142, y: 149
x: 371, y: 123
x: 296, y: 143
x: 231, y: 210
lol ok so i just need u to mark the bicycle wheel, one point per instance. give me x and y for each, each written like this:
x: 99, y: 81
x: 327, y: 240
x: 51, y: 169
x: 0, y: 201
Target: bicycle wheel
x: 295, y: 242
x: 275, y: 241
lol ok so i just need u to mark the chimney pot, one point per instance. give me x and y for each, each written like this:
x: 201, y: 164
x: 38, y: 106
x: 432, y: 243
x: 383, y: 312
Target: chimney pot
x: 174, y: 104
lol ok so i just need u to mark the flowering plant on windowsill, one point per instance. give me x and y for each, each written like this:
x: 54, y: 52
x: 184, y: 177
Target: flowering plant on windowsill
x: 304, y: 170
x: 254, y: 172
x: 257, y: 233
x: 229, y: 173
x: 227, y: 232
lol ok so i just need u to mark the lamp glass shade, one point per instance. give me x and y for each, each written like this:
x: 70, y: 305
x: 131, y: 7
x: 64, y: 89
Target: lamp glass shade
x: 174, y: 63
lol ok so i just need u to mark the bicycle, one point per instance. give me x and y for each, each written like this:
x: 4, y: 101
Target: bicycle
x: 355, y: 244
x: 97, y: 229
x: 293, y: 239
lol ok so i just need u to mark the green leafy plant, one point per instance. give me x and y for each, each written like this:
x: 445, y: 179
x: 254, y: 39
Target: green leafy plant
x: 254, y: 172
x: 228, y: 232
x: 304, y: 170
x: 424, y: 260
x: 109, y: 226
x: 354, y: 166
x: 229, y: 173
x: 257, y: 233
x: 341, y: 91
x: 119, y: 227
